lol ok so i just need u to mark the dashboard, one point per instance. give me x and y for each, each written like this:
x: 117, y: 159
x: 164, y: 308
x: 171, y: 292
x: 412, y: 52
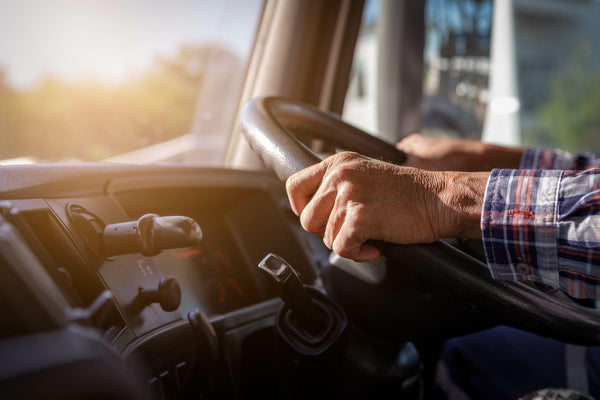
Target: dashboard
x: 72, y: 324
x: 243, y: 216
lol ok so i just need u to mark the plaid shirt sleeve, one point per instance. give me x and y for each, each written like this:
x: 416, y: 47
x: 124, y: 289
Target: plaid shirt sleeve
x: 544, y: 225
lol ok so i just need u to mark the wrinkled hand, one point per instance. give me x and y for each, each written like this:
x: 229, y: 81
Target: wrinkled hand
x: 349, y: 199
x: 457, y: 155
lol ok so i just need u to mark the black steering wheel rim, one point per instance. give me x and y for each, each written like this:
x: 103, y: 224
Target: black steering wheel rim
x: 267, y: 124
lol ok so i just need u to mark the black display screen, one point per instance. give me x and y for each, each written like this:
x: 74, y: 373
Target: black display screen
x: 212, y: 275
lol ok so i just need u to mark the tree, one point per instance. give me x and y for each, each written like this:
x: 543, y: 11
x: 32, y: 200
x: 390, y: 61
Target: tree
x: 570, y: 117
x: 92, y: 120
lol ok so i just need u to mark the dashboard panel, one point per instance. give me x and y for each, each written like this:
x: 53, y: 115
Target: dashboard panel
x: 243, y: 216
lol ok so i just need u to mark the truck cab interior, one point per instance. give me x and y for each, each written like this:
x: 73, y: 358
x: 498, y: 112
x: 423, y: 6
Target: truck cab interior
x: 147, y: 246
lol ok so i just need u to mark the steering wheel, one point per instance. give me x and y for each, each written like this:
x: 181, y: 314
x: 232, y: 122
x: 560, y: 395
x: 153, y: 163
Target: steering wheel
x: 271, y: 126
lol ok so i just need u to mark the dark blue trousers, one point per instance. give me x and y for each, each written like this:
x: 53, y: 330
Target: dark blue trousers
x: 506, y: 363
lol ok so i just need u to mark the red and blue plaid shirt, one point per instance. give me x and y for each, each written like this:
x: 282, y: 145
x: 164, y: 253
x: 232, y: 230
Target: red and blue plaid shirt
x: 541, y: 222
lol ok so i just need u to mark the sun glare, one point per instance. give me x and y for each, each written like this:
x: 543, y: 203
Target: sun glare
x: 87, y: 80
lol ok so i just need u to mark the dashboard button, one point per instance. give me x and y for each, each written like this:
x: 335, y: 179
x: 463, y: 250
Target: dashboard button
x: 168, y: 295
x: 163, y: 380
x: 155, y: 388
x: 181, y: 369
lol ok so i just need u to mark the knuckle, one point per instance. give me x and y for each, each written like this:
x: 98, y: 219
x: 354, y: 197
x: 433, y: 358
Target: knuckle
x: 309, y: 223
x: 344, y: 157
x: 306, y: 220
x: 356, y: 211
x: 344, y: 198
x: 291, y: 184
x: 343, y: 172
x: 341, y: 250
x: 357, y: 217
x: 352, y: 230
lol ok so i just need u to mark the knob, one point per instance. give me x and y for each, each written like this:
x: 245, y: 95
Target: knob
x: 150, y: 235
x: 293, y: 292
x: 309, y: 321
x: 168, y: 294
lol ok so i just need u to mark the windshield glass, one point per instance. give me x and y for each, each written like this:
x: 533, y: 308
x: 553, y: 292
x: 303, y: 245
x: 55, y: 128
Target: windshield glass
x: 557, y: 50
x: 136, y: 81
x: 455, y: 68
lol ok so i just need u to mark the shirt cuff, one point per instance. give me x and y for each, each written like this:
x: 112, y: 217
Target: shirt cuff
x: 518, y: 225
x: 538, y: 158
x: 578, y: 220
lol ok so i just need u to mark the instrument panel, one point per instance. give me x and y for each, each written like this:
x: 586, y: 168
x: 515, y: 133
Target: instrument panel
x: 213, y: 275
x: 63, y: 216
x: 241, y: 220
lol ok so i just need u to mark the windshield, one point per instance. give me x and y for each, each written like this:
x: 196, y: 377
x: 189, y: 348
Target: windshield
x: 136, y: 81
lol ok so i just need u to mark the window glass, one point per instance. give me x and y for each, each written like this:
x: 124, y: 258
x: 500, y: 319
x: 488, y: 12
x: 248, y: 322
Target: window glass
x: 456, y: 68
x: 457, y: 63
x: 134, y: 81
x: 360, y: 105
x: 558, y: 67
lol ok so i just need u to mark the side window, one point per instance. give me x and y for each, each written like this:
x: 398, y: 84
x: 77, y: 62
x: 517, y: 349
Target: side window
x: 558, y: 64
x: 455, y: 74
x: 457, y: 65
x: 360, y: 105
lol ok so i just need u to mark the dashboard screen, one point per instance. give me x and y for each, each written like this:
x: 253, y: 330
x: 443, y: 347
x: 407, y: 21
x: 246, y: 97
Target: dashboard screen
x: 212, y: 275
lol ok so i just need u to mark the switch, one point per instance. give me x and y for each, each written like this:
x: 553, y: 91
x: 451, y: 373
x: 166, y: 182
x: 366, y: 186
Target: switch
x: 168, y: 295
x: 180, y: 371
x: 155, y: 388
x: 150, y: 235
x: 163, y: 380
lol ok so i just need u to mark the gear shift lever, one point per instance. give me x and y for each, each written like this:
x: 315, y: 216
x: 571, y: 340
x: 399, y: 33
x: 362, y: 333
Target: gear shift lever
x: 293, y: 293
x: 309, y: 321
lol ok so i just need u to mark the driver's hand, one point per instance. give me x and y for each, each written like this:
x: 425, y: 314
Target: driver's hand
x: 457, y: 155
x: 348, y: 199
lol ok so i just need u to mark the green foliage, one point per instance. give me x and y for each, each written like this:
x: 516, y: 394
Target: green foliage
x: 90, y: 120
x: 570, y: 117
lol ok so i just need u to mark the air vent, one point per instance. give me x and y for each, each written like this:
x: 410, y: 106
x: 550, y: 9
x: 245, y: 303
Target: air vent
x: 88, y: 226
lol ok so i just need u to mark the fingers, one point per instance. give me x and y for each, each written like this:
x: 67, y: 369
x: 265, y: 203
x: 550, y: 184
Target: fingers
x: 348, y: 243
x: 303, y: 185
x: 315, y: 215
x: 409, y: 142
x: 316, y: 196
x: 410, y: 146
x: 334, y: 224
x: 368, y: 253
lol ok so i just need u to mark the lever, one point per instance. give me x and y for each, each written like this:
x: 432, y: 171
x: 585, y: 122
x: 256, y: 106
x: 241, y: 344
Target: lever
x: 97, y: 312
x: 206, y: 338
x: 309, y: 321
x: 150, y: 235
x: 293, y: 293
x: 168, y: 295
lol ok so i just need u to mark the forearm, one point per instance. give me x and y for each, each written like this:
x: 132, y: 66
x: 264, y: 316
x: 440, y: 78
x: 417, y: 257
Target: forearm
x: 501, y: 157
x: 470, y: 155
x: 460, y: 203
x: 437, y: 154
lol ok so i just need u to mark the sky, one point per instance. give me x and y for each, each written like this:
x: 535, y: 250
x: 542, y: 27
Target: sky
x: 111, y: 40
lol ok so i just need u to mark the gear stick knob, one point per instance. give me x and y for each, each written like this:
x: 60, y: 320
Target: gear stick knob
x: 292, y: 292
x: 309, y: 321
